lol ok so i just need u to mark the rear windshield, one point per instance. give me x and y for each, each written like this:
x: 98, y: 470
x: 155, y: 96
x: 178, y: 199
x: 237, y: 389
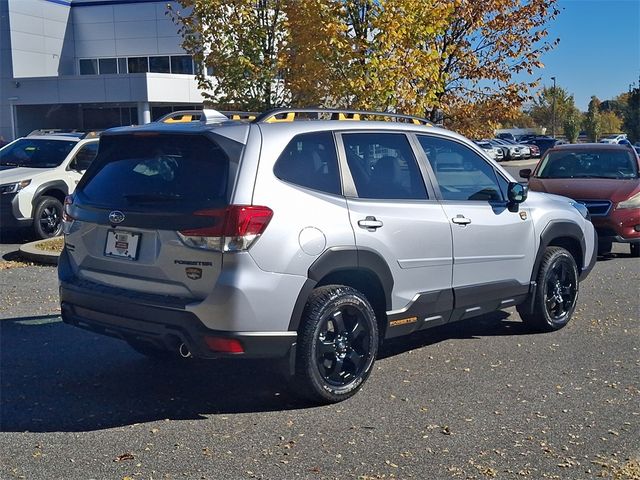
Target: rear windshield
x: 615, y: 164
x: 36, y: 153
x: 158, y: 171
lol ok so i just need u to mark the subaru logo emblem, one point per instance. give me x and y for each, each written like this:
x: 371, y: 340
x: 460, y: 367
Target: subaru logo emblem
x: 116, y: 217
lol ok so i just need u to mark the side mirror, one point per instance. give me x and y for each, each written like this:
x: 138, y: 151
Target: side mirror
x: 525, y: 173
x: 516, y: 193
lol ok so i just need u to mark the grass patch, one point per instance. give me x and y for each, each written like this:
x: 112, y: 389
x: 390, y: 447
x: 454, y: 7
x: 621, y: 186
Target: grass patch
x: 51, y: 245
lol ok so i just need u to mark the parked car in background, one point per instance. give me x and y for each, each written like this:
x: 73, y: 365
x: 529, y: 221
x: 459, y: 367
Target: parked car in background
x: 543, y: 143
x: 36, y: 173
x: 604, y: 177
x: 506, y: 136
x: 495, y: 153
x: 514, y: 152
x: 614, y: 138
x: 525, y: 150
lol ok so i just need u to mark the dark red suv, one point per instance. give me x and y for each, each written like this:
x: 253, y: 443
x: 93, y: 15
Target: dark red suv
x: 602, y: 176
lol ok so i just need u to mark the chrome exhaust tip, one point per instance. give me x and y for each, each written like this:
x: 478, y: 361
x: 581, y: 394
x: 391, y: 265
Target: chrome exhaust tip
x: 184, y: 351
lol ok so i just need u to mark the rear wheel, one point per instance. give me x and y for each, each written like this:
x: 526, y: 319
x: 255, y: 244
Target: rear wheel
x: 635, y: 249
x: 338, y: 343
x: 557, y: 292
x: 47, y: 218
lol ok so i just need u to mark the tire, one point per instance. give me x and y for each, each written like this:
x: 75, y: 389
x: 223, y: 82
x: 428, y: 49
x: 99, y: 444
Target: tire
x: 555, y: 298
x: 635, y: 249
x: 337, y: 344
x: 604, y: 247
x: 47, y: 218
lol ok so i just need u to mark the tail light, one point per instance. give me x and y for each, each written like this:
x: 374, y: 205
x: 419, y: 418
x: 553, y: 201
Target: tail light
x: 233, y: 229
x: 67, y: 218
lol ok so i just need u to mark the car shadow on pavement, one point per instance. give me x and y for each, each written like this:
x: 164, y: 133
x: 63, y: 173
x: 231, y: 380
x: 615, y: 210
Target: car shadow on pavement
x: 57, y: 378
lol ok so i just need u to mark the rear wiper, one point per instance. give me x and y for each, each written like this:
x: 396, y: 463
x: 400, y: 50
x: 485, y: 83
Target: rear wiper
x: 152, y: 197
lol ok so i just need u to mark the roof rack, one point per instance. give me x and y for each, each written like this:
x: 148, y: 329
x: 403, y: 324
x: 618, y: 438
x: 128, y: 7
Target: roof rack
x: 301, y: 114
x: 206, y: 115
x: 60, y: 132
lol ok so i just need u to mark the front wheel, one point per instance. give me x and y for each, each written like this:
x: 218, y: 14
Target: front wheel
x: 47, y: 218
x: 557, y: 293
x: 635, y: 249
x: 338, y: 343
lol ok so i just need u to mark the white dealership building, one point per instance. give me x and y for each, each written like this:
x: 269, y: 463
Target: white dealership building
x: 90, y: 64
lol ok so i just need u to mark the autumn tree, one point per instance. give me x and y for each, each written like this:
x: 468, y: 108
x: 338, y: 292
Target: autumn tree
x: 240, y: 41
x: 610, y: 122
x: 486, y: 45
x: 592, y: 120
x: 365, y: 54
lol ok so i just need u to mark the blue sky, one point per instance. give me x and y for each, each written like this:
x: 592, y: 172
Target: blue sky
x: 599, y: 50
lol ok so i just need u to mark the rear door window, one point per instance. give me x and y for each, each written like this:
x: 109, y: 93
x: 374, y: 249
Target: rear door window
x: 383, y: 166
x: 175, y: 171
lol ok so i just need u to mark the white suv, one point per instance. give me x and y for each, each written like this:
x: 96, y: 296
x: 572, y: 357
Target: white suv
x: 309, y: 240
x: 36, y: 173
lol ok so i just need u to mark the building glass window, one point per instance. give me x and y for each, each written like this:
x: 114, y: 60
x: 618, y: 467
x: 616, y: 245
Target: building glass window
x: 107, y: 66
x: 89, y: 66
x: 182, y: 64
x: 122, y: 65
x: 159, y: 64
x: 138, y: 64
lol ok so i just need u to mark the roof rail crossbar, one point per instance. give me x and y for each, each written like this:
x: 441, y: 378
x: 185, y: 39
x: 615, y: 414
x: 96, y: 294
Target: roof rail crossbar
x: 301, y: 114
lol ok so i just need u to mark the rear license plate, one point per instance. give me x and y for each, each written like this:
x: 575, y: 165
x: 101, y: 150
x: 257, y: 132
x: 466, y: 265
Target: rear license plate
x: 122, y: 244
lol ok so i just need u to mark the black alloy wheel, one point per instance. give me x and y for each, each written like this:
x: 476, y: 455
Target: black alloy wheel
x: 552, y: 304
x: 48, y: 218
x: 635, y: 249
x: 337, y: 344
x: 560, y: 289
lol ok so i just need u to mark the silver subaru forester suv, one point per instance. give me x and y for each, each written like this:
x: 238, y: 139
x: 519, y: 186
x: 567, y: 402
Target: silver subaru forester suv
x: 309, y: 236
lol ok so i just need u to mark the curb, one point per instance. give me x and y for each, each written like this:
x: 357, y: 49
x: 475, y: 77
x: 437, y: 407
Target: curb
x: 30, y: 251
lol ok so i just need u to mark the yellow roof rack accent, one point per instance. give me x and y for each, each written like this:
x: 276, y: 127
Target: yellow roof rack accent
x: 301, y: 114
x: 289, y: 117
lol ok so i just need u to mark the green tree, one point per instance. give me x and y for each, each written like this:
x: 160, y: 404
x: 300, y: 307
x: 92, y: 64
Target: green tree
x: 542, y: 107
x: 592, y: 121
x: 631, y: 124
x: 571, y: 125
x: 241, y: 41
x: 610, y: 122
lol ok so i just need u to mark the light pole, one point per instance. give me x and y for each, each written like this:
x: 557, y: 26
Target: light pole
x: 553, y: 109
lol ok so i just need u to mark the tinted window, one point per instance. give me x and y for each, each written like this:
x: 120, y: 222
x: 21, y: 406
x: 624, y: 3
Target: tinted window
x: 461, y: 173
x: 108, y: 66
x: 310, y: 161
x: 383, y: 166
x: 182, y: 64
x: 167, y: 170
x: 89, y: 66
x: 122, y: 65
x: 137, y: 64
x: 159, y: 64
x: 85, y: 156
x: 38, y: 153
x: 589, y: 164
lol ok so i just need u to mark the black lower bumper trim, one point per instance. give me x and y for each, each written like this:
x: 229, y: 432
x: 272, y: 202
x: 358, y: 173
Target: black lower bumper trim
x: 163, y: 327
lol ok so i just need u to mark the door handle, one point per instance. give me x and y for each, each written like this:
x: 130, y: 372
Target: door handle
x: 461, y: 220
x: 370, y: 223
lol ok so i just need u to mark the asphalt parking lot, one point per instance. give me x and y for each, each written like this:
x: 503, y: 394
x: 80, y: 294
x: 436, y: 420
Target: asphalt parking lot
x: 480, y: 399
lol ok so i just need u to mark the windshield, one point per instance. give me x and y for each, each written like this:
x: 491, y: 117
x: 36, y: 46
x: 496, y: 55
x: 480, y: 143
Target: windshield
x: 616, y: 164
x: 36, y: 153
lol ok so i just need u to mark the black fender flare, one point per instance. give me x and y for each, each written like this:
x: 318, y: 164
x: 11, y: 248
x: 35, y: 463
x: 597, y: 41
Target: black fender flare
x: 559, y: 229
x: 47, y: 186
x: 336, y: 259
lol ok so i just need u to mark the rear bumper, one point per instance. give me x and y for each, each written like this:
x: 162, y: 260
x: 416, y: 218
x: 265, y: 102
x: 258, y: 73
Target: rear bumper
x: 158, y: 320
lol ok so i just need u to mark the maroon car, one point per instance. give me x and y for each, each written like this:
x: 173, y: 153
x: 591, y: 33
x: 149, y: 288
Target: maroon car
x: 604, y: 177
